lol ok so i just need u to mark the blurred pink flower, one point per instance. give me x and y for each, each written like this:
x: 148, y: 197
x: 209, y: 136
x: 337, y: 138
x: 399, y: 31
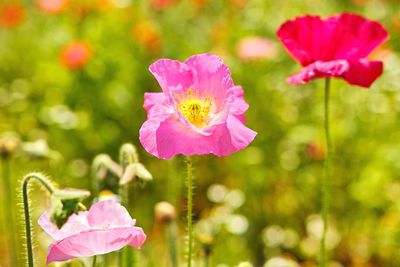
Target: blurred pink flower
x: 11, y: 15
x: 200, y: 110
x: 76, y: 54
x: 254, y: 48
x: 52, y: 6
x: 106, y: 227
x: 334, y: 47
x: 162, y: 4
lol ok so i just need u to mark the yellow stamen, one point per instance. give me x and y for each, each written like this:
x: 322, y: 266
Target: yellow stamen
x: 196, y: 108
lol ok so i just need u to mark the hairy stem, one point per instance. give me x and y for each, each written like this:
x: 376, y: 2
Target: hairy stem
x: 9, y: 208
x: 189, y: 210
x: 325, y: 184
x: 25, y: 195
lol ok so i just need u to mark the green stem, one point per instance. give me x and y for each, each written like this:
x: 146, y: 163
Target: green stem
x: 172, y: 243
x: 325, y: 184
x: 9, y: 206
x: 127, y: 155
x: 94, y: 261
x: 189, y: 210
x: 25, y: 195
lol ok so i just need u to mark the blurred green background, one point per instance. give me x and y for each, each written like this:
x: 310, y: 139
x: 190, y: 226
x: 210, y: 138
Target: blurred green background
x: 58, y: 112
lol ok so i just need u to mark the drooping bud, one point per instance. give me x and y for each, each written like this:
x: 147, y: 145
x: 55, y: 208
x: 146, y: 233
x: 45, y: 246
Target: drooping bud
x: 165, y: 213
x: 135, y: 170
x: 102, y: 164
x: 64, y: 203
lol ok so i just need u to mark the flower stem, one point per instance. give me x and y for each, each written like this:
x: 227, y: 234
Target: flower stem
x: 127, y: 155
x: 9, y: 206
x: 172, y: 240
x: 25, y: 195
x: 189, y: 210
x: 325, y: 184
x: 94, y: 261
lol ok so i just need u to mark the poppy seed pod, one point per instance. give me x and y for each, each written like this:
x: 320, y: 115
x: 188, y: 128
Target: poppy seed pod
x: 164, y: 212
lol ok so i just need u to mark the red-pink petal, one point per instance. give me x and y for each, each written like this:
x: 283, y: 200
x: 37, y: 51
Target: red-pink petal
x: 346, y: 36
x: 362, y: 72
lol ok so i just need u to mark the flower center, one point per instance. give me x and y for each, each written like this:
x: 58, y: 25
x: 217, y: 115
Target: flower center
x: 195, y: 108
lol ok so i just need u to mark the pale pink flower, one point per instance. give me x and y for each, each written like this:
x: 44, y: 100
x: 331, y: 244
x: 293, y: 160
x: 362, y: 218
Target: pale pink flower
x: 106, y: 227
x: 52, y: 6
x: 200, y: 110
x: 254, y: 48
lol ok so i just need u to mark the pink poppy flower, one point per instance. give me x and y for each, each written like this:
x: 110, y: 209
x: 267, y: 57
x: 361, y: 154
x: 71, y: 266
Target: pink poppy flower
x: 106, y: 227
x: 337, y: 46
x: 200, y: 110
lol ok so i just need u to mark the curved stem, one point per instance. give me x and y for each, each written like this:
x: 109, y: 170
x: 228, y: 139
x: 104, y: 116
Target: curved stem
x: 189, y: 210
x: 25, y: 195
x: 325, y: 184
x: 127, y: 155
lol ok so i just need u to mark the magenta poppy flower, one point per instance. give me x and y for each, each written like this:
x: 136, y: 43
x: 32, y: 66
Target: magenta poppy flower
x: 200, y: 110
x: 106, y: 227
x: 337, y: 46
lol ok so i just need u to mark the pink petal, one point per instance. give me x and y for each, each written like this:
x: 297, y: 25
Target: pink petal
x: 239, y: 105
x: 152, y: 99
x: 361, y: 73
x: 76, y: 223
x: 172, y: 138
x: 346, y: 36
x: 241, y: 136
x: 95, y: 242
x: 147, y: 133
x: 172, y: 75
x: 108, y: 214
x: 212, y: 75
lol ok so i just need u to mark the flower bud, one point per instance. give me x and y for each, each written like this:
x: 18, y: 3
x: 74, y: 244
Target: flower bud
x: 135, y: 170
x: 64, y: 203
x: 103, y: 164
x: 8, y: 145
x: 164, y: 212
